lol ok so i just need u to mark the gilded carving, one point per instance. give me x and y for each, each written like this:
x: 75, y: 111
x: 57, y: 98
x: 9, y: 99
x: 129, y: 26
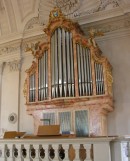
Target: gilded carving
x: 92, y: 34
x: 56, y: 14
x: 25, y: 88
x: 109, y: 78
x: 98, y: 58
x: 81, y: 40
x: 32, y: 47
x: 32, y: 69
x: 44, y: 46
x: 57, y: 19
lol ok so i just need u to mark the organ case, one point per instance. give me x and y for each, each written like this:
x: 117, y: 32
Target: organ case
x: 71, y: 79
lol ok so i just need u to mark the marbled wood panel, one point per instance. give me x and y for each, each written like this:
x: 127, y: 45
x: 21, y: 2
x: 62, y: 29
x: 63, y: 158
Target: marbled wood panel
x: 98, y: 109
x: 104, y: 124
x: 37, y: 115
x: 105, y: 102
x: 95, y: 124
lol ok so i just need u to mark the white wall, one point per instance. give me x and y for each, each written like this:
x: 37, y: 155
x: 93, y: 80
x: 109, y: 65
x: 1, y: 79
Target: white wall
x: 9, y: 97
x: 26, y: 121
x: 117, y: 51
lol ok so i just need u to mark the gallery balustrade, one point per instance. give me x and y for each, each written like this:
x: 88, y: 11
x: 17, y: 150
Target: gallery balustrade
x: 66, y: 149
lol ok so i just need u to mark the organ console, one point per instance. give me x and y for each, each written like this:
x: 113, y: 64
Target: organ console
x: 70, y: 81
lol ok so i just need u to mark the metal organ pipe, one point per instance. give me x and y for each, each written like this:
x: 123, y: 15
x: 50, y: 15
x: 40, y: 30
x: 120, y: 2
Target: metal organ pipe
x: 59, y: 63
x: 46, y: 85
x: 62, y: 64
x: 99, y: 78
x: 84, y: 71
x: 43, y: 77
x: 68, y: 63
x: 32, y: 88
x: 39, y: 79
x: 72, y: 66
x: 53, y: 69
x: 64, y: 72
x: 79, y: 70
x: 56, y: 65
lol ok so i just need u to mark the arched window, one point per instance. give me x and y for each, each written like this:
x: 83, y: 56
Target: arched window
x: 62, y: 64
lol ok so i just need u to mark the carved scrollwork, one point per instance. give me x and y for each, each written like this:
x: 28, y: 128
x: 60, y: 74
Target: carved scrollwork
x: 33, y: 47
x: 42, y: 48
x: 109, y: 78
x: 97, y: 57
x: 25, y: 88
x: 81, y: 40
x: 57, y: 18
x: 32, y: 69
x: 56, y: 14
x: 92, y: 34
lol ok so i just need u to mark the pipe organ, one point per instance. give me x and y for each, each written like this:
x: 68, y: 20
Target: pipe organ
x: 70, y: 81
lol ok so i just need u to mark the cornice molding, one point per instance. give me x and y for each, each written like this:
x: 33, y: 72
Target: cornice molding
x: 33, y: 32
x: 10, y: 51
x: 19, y: 36
x: 112, y: 25
x: 10, y: 38
x: 15, y: 65
x: 114, y: 35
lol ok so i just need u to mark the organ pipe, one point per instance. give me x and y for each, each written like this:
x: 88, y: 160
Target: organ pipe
x: 72, y: 66
x: 43, y: 77
x: 84, y: 71
x: 99, y: 79
x: 59, y: 61
x: 32, y: 88
x: 62, y: 64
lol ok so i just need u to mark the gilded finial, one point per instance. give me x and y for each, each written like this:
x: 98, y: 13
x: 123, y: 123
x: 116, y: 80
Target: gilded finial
x: 32, y: 47
x: 92, y: 34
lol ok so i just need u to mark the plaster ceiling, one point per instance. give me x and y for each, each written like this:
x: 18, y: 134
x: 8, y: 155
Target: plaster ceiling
x: 18, y: 17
